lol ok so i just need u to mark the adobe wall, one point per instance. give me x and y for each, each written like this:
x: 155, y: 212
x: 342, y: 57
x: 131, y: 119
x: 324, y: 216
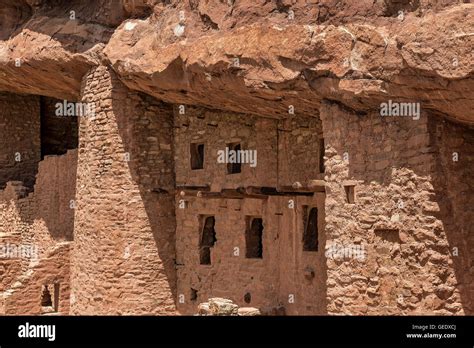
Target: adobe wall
x: 20, y: 148
x: 124, y: 233
x: 404, y: 181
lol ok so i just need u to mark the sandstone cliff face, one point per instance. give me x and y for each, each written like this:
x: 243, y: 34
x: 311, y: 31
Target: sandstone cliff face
x: 302, y: 81
x: 253, y: 57
x: 269, y: 55
x: 267, y: 65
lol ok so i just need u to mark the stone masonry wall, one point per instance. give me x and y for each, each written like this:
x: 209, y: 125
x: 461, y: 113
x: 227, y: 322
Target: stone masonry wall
x: 397, y: 216
x: 303, y: 274
x: 230, y: 275
x: 216, y: 130
x: 299, y: 146
x: 41, y: 224
x: 45, y: 215
x: 124, y: 244
x: 454, y: 193
x: 20, y: 148
x: 286, y: 279
x: 288, y: 150
x: 25, y: 296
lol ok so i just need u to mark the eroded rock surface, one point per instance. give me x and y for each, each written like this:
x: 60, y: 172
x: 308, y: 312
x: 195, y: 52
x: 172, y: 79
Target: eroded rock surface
x: 251, y: 57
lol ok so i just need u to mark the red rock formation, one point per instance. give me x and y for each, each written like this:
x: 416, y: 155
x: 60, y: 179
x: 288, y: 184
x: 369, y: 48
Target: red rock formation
x: 300, y: 82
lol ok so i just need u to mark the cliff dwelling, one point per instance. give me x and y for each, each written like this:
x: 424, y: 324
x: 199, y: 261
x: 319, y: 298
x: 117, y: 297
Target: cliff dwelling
x: 289, y: 157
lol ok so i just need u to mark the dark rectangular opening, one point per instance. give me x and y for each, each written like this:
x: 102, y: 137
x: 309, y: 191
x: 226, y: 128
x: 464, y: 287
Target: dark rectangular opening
x: 310, y: 233
x: 233, y: 168
x: 197, y: 156
x: 388, y: 234
x: 254, y: 238
x: 58, y: 133
x: 350, y: 193
x: 321, y: 155
x: 56, y: 297
x: 46, y: 300
x: 50, y: 298
x: 208, y: 239
x: 194, y: 295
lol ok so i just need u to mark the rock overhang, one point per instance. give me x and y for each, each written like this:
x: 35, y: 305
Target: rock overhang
x: 264, y: 68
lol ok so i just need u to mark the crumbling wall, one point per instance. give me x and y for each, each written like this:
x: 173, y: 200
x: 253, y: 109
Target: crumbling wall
x: 49, y: 208
x: 33, y: 231
x: 395, y: 217
x: 124, y: 248
x: 10, y: 268
x: 26, y: 295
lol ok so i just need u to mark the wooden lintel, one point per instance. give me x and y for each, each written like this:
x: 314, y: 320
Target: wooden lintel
x: 224, y: 194
x: 257, y: 192
x: 193, y: 187
x: 309, y: 187
x: 159, y: 190
x: 295, y: 193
